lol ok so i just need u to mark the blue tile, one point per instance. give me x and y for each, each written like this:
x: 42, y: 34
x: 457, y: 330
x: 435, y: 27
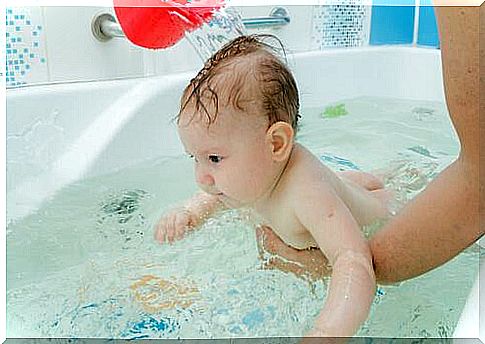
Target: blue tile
x: 393, y: 3
x: 427, y: 31
x: 392, y: 25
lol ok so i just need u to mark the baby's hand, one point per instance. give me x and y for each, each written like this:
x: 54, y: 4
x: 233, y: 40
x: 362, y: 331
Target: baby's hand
x: 173, y: 225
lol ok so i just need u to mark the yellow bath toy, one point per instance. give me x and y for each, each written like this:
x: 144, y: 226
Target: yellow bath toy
x: 156, y: 294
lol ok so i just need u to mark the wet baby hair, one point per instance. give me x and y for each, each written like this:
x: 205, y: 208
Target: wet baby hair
x: 247, y: 69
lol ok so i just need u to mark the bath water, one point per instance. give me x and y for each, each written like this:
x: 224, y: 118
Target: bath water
x: 85, y: 263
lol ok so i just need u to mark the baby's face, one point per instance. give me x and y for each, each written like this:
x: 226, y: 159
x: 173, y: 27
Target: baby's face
x: 232, y: 157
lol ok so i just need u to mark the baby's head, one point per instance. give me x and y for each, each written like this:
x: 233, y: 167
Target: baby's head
x: 238, y: 118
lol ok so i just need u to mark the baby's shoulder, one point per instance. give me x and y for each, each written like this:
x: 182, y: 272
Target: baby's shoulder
x: 306, y: 164
x: 307, y: 171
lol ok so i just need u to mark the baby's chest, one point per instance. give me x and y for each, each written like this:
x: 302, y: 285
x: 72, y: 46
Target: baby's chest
x: 290, y: 230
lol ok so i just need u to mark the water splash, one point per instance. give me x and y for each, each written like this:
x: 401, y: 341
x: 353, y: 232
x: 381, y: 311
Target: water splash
x: 225, y: 25
x: 84, y: 152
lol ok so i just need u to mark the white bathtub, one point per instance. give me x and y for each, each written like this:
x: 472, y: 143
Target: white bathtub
x: 57, y: 134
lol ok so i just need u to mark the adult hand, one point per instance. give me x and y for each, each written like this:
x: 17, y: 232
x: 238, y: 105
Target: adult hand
x: 308, y: 264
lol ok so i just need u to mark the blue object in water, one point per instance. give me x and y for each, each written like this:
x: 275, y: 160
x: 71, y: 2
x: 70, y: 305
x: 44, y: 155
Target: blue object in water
x: 253, y: 319
x: 341, y: 163
x: 150, y: 325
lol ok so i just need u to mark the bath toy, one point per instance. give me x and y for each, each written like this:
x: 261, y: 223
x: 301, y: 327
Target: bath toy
x: 157, y: 24
x: 335, y: 111
x: 155, y: 294
x: 150, y: 325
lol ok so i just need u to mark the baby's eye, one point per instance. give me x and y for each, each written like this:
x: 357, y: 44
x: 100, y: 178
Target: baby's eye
x: 215, y: 159
x: 192, y: 157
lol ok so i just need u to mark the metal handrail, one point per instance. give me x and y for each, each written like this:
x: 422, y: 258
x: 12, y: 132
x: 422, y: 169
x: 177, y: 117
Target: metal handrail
x: 279, y: 16
x: 104, y: 26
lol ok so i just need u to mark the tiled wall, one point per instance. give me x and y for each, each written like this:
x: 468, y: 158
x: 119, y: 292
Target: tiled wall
x: 55, y: 44
x: 403, y: 25
x: 340, y: 26
x: 25, y: 46
x: 428, y: 31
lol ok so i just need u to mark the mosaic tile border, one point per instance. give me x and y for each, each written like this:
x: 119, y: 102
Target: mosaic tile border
x: 343, y: 25
x: 24, y: 46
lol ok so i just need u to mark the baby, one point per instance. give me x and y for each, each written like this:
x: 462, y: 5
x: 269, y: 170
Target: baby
x: 238, y: 120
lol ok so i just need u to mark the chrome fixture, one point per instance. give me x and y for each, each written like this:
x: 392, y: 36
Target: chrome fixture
x: 279, y: 16
x: 104, y: 26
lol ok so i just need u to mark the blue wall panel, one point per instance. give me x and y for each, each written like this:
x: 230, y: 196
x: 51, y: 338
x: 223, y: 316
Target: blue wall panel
x: 428, y: 31
x: 392, y: 25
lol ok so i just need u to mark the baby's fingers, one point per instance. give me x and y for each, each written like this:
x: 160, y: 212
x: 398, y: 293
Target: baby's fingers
x: 160, y: 230
x: 171, y: 228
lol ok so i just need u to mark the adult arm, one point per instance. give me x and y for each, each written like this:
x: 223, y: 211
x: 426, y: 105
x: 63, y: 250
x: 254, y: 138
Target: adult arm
x: 444, y: 219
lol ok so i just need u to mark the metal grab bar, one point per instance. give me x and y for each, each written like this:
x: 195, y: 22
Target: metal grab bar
x: 279, y: 16
x: 104, y: 26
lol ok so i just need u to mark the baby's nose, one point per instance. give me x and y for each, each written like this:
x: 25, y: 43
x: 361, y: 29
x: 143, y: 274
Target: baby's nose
x: 203, y: 178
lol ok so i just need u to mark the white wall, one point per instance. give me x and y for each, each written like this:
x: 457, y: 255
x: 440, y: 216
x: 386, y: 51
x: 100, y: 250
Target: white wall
x: 67, y: 51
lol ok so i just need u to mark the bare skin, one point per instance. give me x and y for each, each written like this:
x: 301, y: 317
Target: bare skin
x: 444, y: 219
x: 242, y: 161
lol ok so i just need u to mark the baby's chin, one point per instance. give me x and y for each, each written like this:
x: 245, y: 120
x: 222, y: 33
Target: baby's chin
x: 230, y: 202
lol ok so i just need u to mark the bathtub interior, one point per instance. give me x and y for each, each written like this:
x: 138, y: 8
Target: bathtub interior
x: 61, y: 133
x: 67, y: 133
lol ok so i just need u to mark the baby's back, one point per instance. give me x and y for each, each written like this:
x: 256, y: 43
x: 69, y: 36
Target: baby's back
x: 304, y: 167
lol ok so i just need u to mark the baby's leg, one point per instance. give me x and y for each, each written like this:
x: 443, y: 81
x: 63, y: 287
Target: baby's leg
x: 364, y: 179
x: 367, y: 198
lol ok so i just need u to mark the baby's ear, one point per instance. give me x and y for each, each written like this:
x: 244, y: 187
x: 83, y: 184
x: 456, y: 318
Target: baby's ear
x: 280, y: 135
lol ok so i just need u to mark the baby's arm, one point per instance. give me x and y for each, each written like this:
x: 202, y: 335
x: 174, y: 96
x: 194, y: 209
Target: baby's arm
x: 173, y: 225
x: 352, y: 287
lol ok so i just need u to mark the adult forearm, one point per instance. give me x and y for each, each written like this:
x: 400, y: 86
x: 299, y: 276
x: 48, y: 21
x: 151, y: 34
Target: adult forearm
x: 444, y: 219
